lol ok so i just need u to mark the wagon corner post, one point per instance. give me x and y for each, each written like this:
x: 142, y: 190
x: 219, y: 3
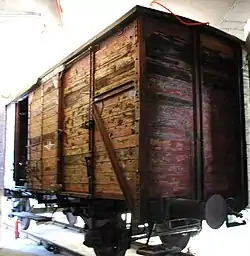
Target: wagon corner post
x: 141, y: 205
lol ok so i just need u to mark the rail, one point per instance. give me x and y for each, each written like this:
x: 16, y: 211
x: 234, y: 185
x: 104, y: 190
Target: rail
x: 48, y: 244
x: 56, y: 248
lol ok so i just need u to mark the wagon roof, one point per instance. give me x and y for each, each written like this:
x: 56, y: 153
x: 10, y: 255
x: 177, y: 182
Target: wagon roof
x: 125, y: 19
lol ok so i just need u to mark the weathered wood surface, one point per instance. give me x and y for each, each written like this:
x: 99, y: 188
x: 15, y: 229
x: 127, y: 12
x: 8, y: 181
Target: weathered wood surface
x: 43, y: 127
x: 167, y: 113
x: 168, y: 109
x: 246, y: 82
x: 221, y: 131
x: 114, y: 67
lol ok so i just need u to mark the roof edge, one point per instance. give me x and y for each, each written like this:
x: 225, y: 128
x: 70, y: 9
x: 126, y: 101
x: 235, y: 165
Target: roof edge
x: 126, y: 18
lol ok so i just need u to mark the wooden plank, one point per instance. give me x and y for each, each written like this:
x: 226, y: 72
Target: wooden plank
x: 48, y: 107
x: 77, y: 150
x: 43, y: 126
x: 121, y: 76
x: 76, y: 119
x: 52, y: 112
x: 114, y: 67
x: 35, y: 152
x: 80, y: 136
x: 77, y: 72
x: 125, y: 120
x: 109, y: 49
x: 74, y: 97
x: 123, y: 104
x: 35, y: 133
x: 115, y: 61
x: 48, y: 88
x: 35, y: 104
x: 219, y: 101
x: 36, y: 120
x: 50, y: 127
x: 77, y: 106
x: 215, y: 44
x: 35, y: 112
x: 50, y: 121
x: 76, y: 187
x: 100, y: 157
x: 82, y: 82
x: 35, y: 95
x: 167, y: 110
x: 76, y: 146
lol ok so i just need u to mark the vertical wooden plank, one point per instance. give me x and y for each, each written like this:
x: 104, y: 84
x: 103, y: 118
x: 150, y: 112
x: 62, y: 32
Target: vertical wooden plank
x: 90, y: 158
x: 221, y: 116
x: 197, y: 174
x: 34, y: 138
x: 246, y: 84
x: 42, y: 114
x: 76, y: 115
x: 243, y: 175
x: 60, y: 148
x: 43, y: 135
x: 141, y: 172
x: 168, y: 109
x: 117, y: 101
x: 50, y: 113
x: 114, y: 94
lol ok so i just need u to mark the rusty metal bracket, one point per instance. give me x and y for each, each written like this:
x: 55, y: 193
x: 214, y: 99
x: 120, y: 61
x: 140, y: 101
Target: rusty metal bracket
x: 118, y: 170
x: 88, y: 125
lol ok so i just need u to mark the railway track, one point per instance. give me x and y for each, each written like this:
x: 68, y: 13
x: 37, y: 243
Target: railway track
x: 135, y: 245
x: 58, y: 248
x: 51, y: 246
x: 67, y: 226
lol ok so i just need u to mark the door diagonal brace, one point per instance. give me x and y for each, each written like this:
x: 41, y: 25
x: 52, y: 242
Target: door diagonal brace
x: 117, y: 168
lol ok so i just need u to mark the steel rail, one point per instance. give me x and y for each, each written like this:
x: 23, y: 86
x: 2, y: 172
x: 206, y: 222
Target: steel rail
x: 57, y: 248
x: 48, y: 244
x: 67, y: 226
x: 135, y: 245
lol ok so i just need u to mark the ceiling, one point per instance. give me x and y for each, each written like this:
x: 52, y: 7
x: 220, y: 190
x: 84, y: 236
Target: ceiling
x: 35, y: 34
x: 228, y: 15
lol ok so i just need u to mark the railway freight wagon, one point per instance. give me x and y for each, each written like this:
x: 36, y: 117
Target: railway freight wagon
x: 146, y: 118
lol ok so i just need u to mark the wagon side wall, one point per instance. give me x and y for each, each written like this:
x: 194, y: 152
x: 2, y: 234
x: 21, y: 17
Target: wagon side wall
x: 115, y: 97
x: 167, y: 110
x: 191, y: 111
x: 43, y: 136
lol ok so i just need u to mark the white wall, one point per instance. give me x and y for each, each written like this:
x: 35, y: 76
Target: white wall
x: 28, y: 49
x: 9, y: 146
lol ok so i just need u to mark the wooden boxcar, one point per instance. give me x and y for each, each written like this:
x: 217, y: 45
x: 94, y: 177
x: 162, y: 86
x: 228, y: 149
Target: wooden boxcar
x: 146, y: 118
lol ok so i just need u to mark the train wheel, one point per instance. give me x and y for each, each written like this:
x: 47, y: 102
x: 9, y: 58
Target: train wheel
x: 176, y: 242
x: 114, y: 238
x: 24, y: 207
x: 71, y: 218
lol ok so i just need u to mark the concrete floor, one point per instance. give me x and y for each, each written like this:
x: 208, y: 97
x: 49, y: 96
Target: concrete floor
x: 231, y: 242
x: 20, y: 247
